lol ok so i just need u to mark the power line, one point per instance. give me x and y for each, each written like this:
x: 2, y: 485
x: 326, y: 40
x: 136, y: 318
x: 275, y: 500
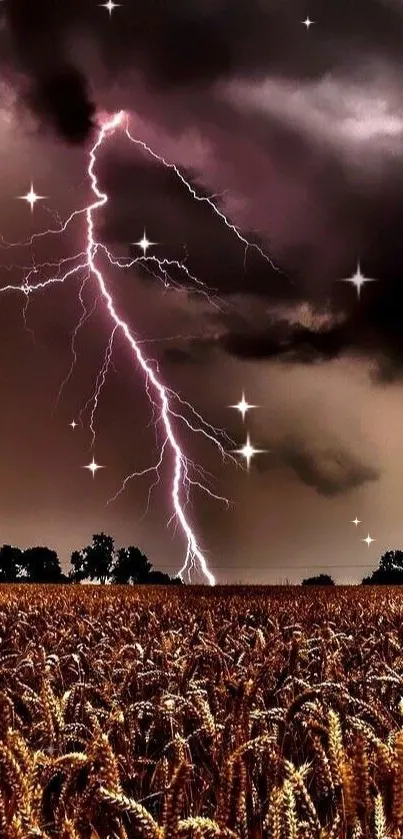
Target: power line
x: 323, y: 567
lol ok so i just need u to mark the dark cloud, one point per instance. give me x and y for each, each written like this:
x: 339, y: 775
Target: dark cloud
x: 198, y: 41
x: 63, y: 100
x: 55, y: 90
x: 188, y: 47
x: 330, y: 470
x: 183, y: 44
x: 299, y: 345
x: 178, y: 355
x: 193, y: 43
x: 181, y: 355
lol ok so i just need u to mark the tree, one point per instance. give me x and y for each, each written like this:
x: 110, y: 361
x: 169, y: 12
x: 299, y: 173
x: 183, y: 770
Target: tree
x: 389, y: 572
x: 131, y: 566
x: 95, y: 561
x: 11, y: 564
x: 41, y: 565
x: 158, y: 578
x: 320, y: 580
x: 77, y: 573
x: 391, y: 561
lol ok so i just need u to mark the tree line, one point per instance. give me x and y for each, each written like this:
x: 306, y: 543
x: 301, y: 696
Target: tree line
x: 99, y: 562
x: 388, y: 573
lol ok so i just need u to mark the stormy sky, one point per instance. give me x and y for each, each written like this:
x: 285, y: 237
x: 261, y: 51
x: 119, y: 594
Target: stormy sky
x: 297, y: 134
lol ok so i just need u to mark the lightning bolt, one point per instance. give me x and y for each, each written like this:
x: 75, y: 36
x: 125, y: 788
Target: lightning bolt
x: 84, y: 317
x: 100, y: 383
x: 162, y: 398
x: 202, y: 198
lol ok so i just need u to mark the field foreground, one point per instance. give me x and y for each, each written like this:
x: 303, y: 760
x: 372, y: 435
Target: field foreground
x: 236, y: 712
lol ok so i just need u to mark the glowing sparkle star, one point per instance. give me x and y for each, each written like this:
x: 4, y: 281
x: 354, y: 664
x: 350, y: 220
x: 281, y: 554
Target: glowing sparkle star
x: 368, y: 540
x: 308, y: 22
x: 110, y: 6
x: 144, y: 243
x: 31, y: 197
x: 93, y: 467
x: 73, y: 425
x: 356, y: 521
x: 248, y: 451
x: 243, y: 406
x: 358, y: 279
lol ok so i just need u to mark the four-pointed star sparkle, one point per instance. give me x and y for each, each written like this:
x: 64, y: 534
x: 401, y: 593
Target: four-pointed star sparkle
x: 358, y: 279
x: 31, y: 197
x: 73, y: 424
x: 243, y: 406
x: 93, y: 467
x: 356, y: 521
x: 308, y: 22
x: 248, y: 451
x: 110, y: 6
x: 144, y: 243
x: 368, y: 540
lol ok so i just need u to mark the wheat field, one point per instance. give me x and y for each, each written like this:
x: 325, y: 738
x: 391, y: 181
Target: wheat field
x: 227, y: 712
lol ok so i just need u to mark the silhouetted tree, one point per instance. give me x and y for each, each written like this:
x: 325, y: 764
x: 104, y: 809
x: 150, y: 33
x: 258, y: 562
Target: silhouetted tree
x: 95, y: 561
x: 158, y: 578
x: 391, y: 561
x: 41, y: 565
x: 78, y: 572
x: 320, y: 580
x: 11, y: 564
x: 389, y: 572
x: 98, y: 561
x: 131, y: 566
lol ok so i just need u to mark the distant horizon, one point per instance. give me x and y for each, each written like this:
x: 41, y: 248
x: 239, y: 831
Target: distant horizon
x: 306, y: 571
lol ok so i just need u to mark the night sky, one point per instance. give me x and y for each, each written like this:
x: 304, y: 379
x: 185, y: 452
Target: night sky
x: 297, y: 132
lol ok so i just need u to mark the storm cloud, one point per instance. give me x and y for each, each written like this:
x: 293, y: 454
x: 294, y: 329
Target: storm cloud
x: 330, y: 470
x: 312, y: 132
